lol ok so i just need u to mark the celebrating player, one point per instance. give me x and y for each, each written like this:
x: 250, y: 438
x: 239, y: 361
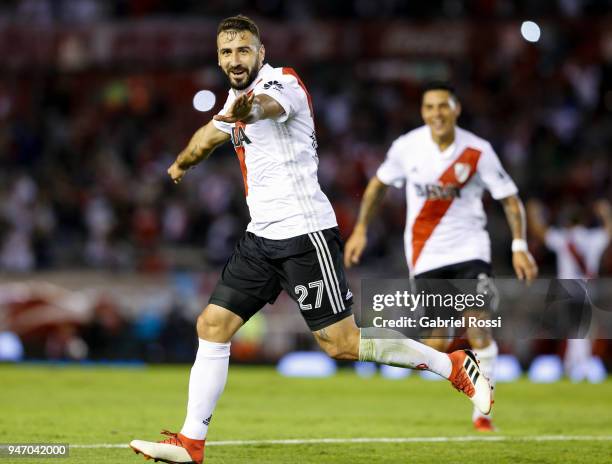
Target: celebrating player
x: 579, y: 250
x: 291, y: 243
x: 446, y: 169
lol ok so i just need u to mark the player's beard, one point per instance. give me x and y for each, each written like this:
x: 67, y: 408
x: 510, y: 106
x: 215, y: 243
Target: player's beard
x: 251, y: 75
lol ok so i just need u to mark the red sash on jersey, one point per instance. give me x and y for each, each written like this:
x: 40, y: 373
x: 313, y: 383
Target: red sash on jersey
x: 578, y: 258
x: 434, y: 210
x: 240, y: 153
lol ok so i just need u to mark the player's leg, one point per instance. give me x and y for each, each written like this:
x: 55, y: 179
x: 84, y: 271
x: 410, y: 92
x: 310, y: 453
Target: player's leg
x: 247, y: 284
x: 480, y: 339
x: 345, y: 341
x: 485, y: 347
x: 438, y: 338
x: 216, y: 326
x: 317, y: 282
x: 577, y: 355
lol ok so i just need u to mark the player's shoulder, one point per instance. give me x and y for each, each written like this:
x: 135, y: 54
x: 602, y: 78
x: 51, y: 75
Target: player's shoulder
x: 471, y: 139
x: 275, y: 76
x: 414, y: 136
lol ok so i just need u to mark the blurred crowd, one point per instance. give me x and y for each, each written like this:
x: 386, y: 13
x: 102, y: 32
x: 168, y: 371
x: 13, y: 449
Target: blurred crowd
x: 84, y: 154
x: 295, y: 10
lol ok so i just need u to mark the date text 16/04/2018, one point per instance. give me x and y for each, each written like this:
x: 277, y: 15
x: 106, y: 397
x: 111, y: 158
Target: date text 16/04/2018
x: 436, y: 322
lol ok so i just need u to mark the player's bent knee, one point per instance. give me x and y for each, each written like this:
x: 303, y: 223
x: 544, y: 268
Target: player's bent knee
x: 217, y: 324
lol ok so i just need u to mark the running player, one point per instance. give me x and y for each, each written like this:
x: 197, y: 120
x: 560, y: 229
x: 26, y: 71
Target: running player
x: 291, y: 243
x: 579, y: 250
x: 445, y: 170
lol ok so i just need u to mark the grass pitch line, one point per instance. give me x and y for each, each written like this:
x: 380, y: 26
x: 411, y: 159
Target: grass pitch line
x: 323, y: 441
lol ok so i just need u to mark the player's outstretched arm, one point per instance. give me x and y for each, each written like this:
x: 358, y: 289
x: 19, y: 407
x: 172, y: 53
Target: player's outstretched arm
x: 251, y: 108
x: 604, y: 211
x: 372, y: 197
x: 201, y: 145
x: 522, y: 261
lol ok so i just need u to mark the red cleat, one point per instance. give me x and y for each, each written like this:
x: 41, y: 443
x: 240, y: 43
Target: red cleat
x: 467, y: 378
x: 484, y: 424
x: 176, y: 449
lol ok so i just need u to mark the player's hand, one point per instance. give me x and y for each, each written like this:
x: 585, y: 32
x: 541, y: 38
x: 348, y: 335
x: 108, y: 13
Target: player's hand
x: 176, y: 173
x: 354, y: 247
x: 524, y: 265
x: 240, y: 109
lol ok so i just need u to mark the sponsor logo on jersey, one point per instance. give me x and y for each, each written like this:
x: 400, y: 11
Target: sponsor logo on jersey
x: 437, y: 191
x: 274, y: 84
x: 239, y: 137
x: 349, y: 294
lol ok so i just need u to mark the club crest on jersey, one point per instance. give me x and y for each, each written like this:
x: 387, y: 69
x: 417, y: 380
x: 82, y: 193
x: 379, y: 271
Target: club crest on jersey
x: 239, y: 137
x: 462, y: 172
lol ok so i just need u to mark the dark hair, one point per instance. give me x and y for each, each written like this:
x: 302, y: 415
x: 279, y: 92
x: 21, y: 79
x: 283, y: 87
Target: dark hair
x: 440, y: 85
x: 239, y: 23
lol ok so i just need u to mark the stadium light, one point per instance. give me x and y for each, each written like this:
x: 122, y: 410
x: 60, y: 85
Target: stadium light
x: 204, y: 100
x: 530, y: 31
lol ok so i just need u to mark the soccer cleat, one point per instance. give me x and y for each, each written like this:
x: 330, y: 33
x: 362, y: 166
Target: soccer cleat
x: 467, y: 378
x: 484, y: 424
x: 177, y: 449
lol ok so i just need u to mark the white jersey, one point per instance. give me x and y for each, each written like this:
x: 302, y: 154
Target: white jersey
x: 279, y: 160
x: 445, y: 220
x: 578, y: 250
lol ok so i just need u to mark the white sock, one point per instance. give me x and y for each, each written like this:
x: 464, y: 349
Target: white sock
x: 577, y: 356
x: 487, y: 357
x: 397, y: 350
x: 206, y: 383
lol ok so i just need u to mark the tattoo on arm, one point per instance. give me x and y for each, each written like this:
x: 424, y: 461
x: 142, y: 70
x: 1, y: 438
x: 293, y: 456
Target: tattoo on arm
x: 515, y: 215
x: 190, y: 158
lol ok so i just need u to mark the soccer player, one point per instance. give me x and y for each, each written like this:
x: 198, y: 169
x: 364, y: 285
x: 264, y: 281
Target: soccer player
x: 445, y: 170
x: 291, y: 243
x: 579, y: 250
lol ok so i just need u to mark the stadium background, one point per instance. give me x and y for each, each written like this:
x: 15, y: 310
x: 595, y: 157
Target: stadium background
x: 96, y: 101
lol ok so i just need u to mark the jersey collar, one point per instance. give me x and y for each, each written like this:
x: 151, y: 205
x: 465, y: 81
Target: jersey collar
x: 263, y: 70
x: 450, y: 150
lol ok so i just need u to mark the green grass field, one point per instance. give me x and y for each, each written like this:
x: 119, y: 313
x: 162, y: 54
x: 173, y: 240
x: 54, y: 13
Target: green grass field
x: 89, y: 406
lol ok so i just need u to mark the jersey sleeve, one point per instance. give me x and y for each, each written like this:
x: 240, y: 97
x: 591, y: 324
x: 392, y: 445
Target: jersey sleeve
x: 225, y: 126
x: 598, y: 239
x: 554, y: 239
x: 496, y: 179
x: 391, y: 171
x: 287, y: 91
